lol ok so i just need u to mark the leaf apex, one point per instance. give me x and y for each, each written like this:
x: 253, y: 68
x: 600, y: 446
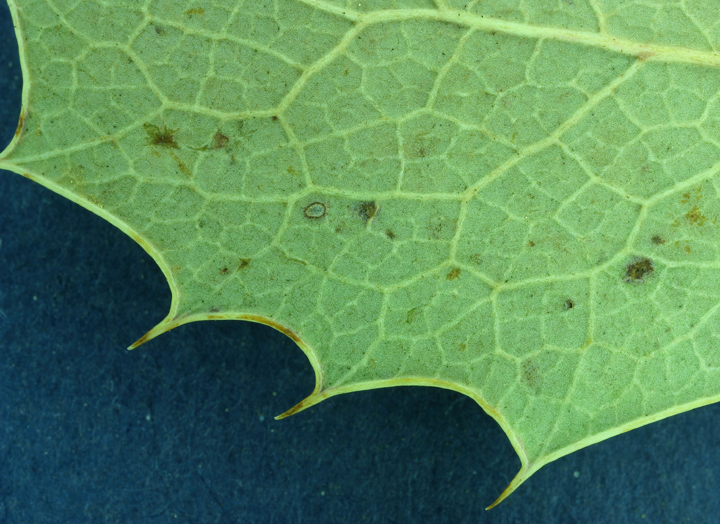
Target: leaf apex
x: 314, y: 398
x: 521, y: 477
x: 164, y: 326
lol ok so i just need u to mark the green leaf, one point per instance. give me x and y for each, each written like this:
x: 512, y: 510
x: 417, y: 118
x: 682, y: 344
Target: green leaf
x: 517, y: 202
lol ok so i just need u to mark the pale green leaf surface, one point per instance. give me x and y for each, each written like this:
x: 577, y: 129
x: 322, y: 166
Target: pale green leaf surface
x: 514, y: 200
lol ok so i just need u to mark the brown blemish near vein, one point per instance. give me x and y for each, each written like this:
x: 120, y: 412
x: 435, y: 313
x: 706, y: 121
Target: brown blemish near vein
x: 195, y: 11
x: 453, y: 274
x: 244, y: 262
x: 694, y: 216
x: 21, y: 123
x: 220, y: 140
x: 530, y: 375
x: 282, y: 329
x: 163, y: 137
x: 569, y: 304
x: 412, y: 315
x: 367, y: 210
x: 657, y: 240
x: 637, y: 270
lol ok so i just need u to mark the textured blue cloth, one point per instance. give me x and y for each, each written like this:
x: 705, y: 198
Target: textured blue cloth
x: 181, y: 429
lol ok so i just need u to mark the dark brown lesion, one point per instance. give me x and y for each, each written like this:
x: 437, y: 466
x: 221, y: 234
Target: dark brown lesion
x: 220, y: 140
x: 638, y: 270
x: 367, y: 210
x: 453, y: 274
x: 694, y: 216
x: 161, y: 136
x: 569, y: 304
x: 657, y: 240
x: 21, y: 123
x: 242, y: 264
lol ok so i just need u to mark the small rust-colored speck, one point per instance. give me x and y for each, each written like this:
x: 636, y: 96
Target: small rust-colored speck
x: 638, y: 269
x: 315, y: 210
x: 244, y: 262
x: 224, y: 271
x: 195, y: 11
x: 453, y: 274
x: 390, y: 234
x: 274, y: 118
x: 657, y: 240
x: 161, y: 136
x: 367, y: 210
x: 569, y: 304
x: 531, y: 244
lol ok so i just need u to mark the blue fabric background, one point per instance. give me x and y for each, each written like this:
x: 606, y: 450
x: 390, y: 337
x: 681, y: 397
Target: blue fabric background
x: 181, y: 429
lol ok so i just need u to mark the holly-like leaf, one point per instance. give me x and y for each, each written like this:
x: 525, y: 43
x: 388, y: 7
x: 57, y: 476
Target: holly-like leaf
x: 517, y: 201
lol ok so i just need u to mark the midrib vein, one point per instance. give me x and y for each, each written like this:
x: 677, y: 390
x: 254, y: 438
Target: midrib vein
x: 644, y: 51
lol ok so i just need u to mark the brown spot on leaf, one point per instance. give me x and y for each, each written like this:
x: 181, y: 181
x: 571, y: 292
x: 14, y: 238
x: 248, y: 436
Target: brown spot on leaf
x: 657, y: 240
x: 21, y: 123
x: 244, y: 262
x: 195, y: 11
x: 453, y: 274
x: 367, y: 210
x: 163, y: 137
x: 638, y: 269
x: 389, y: 233
x: 531, y: 243
x: 412, y: 315
x: 315, y: 210
x: 694, y: 216
x: 220, y: 140
x: 224, y: 271
x: 530, y: 375
x: 569, y: 304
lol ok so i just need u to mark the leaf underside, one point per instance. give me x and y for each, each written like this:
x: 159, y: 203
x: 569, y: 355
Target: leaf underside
x: 514, y: 200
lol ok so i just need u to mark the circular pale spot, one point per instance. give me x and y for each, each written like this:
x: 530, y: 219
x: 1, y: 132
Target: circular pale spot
x: 315, y: 210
